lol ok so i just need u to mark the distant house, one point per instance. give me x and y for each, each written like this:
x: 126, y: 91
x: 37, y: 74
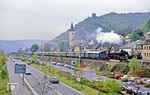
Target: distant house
x: 135, y: 46
x: 146, y: 53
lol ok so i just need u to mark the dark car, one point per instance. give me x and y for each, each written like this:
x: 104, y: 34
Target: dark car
x: 54, y: 80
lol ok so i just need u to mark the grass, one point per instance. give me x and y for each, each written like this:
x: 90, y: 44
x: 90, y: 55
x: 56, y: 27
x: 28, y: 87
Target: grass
x: 3, y: 77
x: 67, y: 79
x: 3, y: 86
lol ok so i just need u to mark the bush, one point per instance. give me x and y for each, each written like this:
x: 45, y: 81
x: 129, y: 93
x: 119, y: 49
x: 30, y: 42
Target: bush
x: 148, y: 85
x: 124, y: 79
x: 111, y: 86
x: 4, y: 73
x: 86, y: 82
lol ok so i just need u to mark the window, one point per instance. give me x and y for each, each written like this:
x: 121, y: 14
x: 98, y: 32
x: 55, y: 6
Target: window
x: 145, y: 54
x: 144, y: 47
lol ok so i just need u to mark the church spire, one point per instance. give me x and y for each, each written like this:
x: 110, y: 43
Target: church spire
x: 71, y: 25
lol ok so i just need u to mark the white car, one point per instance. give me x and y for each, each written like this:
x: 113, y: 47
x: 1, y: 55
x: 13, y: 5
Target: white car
x: 54, y: 63
x: 28, y: 72
x: 60, y: 64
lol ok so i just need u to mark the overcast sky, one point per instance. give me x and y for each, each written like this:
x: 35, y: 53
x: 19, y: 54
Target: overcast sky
x: 46, y: 19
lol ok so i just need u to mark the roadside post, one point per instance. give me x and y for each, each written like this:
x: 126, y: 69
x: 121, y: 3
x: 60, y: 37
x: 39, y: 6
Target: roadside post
x: 20, y: 69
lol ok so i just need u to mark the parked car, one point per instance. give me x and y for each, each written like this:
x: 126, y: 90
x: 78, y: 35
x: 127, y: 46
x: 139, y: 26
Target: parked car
x: 144, y: 93
x: 131, y: 87
x: 28, y: 72
x: 67, y: 66
x: 60, y: 64
x: 145, y: 81
x: 72, y: 67
x: 54, y: 63
x: 118, y: 76
x: 54, y: 79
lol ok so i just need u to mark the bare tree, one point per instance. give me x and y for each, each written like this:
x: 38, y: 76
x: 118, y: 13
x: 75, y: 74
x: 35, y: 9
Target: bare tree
x: 44, y: 85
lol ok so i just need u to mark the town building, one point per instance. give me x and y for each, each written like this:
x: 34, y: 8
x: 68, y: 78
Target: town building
x: 146, y: 50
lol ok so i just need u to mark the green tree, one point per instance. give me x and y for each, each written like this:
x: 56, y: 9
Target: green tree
x: 20, y: 52
x: 135, y: 36
x: 134, y: 63
x: 111, y: 86
x: 34, y: 48
x: 146, y: 26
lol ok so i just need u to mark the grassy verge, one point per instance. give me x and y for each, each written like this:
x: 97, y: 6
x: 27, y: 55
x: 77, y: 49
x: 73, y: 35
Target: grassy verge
x: 3, y: 76
x: 3, y: 86
x: 67, y: 79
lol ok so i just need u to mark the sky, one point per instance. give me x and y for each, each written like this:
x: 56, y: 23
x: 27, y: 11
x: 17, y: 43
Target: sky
x: 46, y: 19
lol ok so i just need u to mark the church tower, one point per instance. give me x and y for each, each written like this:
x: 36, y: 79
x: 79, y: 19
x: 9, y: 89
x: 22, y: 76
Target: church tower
x: 71, y: 35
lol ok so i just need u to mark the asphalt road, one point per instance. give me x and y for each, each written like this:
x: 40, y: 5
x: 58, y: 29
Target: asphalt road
x: 57, y: 89
x: 88, y: 74
x: 18, y: 89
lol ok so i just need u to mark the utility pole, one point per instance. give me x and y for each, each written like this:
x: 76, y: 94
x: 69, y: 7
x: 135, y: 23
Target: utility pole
x: 80, y: 63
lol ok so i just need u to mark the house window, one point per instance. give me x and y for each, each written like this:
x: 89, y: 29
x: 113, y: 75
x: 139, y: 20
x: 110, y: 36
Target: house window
x: 144, y: 47
x: 145, y: 54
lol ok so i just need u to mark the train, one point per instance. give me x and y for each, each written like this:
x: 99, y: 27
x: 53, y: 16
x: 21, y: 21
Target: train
x: 98, y: 55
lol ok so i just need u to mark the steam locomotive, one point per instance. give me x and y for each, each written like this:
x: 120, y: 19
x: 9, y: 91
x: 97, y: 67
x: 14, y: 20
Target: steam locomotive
x: 99, y: 55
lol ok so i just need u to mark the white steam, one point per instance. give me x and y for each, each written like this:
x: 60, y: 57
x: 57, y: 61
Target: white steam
x: 110, y: 37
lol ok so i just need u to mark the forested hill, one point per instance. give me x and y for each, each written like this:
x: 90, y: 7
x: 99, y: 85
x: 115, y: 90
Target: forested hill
x: 122, y: 23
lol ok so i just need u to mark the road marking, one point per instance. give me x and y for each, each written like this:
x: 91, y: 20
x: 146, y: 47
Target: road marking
x: 49, y: 76
x: 60, y: 82
x: 43, y: 74
x: 32, y: 90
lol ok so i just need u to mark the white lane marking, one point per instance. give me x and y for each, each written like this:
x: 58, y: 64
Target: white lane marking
x: 60, y: 82
x: 33, y: 91
x: 54, y: 89
x: 46, y: 75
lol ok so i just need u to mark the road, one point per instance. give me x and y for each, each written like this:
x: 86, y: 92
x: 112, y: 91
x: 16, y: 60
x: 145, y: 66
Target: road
x: 60, y: 89
x: 88, y: 74
x: 15, y: 78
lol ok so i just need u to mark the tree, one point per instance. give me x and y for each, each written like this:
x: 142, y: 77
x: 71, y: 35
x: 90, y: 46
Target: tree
x: 34, y: 48
x: 44, y: 85
x: 135, y: 36
x: 111, y: 86
x: 20, y: 52
x: 134, y: 63
x: 140, y: 72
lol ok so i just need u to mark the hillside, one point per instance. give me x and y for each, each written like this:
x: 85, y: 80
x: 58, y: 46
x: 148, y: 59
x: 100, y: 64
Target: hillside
x: 120, y: 23
x: 13, y: 46
x: 146, y: 26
